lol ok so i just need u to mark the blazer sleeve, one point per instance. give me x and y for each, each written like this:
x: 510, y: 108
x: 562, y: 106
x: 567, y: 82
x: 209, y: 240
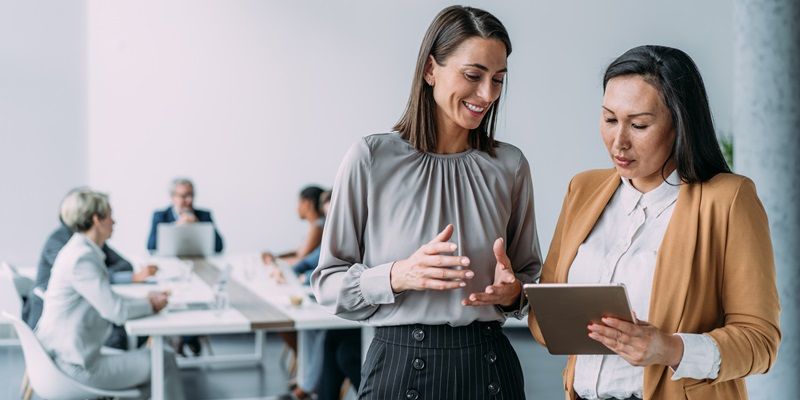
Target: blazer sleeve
x: 119, y: 269
x: 205, y: 216
x: 152, y: 239
x: 91, y: 282
x: 748, y: 341
x: 551, y: 262
x: 54, y: 243
x: 218, y: 245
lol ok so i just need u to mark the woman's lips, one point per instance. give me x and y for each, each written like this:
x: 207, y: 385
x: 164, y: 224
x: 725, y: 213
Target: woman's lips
x: 622, y: 161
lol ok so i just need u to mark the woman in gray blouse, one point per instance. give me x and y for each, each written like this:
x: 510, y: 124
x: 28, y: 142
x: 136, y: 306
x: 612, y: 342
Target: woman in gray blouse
x: 431, y: 232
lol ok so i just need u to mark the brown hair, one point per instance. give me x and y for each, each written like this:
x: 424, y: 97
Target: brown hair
x: 449, y: 29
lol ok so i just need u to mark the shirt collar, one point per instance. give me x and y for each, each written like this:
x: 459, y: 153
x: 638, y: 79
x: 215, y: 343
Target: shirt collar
x: 94, y: 246
x: 657, y: 200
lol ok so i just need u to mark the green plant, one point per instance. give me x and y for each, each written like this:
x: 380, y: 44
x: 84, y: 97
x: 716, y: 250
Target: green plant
x: 726, y: 145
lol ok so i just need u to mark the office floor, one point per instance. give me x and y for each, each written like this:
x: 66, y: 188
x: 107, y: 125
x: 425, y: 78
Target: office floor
x: 542, y: 371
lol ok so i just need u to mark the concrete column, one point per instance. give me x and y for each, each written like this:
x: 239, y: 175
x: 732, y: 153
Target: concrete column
x: 766, y: 136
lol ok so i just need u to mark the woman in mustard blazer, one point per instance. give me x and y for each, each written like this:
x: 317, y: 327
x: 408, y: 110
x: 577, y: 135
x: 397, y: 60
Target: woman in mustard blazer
x: 689, y: 239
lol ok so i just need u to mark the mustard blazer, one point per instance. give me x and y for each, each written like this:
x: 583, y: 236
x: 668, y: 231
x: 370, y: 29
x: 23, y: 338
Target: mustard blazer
x: 714, y: 274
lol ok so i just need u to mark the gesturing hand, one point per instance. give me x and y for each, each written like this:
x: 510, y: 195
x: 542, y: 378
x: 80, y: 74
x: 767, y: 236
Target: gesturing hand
x: 427, y: 269
x: 639, y: 344
x: 505, y: 290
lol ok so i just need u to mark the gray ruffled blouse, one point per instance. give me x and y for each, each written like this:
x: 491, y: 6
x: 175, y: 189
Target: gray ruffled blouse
x: 389, y: 199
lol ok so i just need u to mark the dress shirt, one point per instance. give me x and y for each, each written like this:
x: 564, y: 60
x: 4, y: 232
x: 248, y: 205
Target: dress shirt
x: 622, y: 248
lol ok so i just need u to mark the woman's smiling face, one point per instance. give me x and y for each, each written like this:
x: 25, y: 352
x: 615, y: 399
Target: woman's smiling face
x: 467, y: 84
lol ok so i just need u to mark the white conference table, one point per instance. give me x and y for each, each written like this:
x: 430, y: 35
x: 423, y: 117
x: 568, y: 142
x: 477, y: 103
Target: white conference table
x: 257, y: 304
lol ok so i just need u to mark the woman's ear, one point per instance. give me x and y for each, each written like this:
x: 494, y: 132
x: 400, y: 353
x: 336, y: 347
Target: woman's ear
x: 428, y: 71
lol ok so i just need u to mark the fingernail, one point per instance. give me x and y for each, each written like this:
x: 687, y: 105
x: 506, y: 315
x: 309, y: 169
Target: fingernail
x: 465, y: 261
x: 462, y: 284
x: 453, y: 247
x: 470, y: 274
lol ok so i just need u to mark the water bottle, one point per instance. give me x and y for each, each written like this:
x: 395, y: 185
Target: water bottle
x: 221, y: 299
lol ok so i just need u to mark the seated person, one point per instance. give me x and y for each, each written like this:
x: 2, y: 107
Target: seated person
x: 308, y: 209
x: 304, y: 259
x: 303, y: 267
x: 80, y: 307
x: 119, y: 271
x: 341, y: 348
x: 181, y: 211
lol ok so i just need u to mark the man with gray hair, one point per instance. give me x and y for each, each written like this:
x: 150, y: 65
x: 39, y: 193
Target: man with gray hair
x: 181, y: 211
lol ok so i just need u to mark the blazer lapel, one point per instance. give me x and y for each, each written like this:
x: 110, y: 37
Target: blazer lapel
x: 590, y: 212
x: 673, y: 271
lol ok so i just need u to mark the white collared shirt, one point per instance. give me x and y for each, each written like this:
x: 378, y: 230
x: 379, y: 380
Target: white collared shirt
x: 622, y: 248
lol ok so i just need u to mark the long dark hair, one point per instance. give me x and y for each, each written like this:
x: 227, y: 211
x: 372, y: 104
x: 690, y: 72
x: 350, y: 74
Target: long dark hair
x: 676, y: 77
x: 449, y: 29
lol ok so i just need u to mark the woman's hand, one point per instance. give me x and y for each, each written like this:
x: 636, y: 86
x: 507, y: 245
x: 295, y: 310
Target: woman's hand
x: 505, y: 290
x: 426, y: 269
x: 639, y: 344
x: 158, y: 300
x: 267, y: 258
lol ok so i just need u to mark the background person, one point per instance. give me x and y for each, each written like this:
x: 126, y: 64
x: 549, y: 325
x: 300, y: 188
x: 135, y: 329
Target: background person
x: 119, y: 271
x: 80, y: 307
x: 181, y: 211
x: 310, y: 208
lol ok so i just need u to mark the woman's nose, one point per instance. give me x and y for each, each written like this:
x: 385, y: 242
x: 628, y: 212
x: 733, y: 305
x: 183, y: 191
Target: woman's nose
x: 622, y: 138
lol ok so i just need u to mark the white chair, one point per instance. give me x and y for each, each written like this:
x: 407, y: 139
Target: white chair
x: 10, y: 302
x: 46, y: 379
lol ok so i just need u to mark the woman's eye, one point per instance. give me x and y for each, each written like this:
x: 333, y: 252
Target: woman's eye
x: 473, y: 77
x: 611, y: 120
x: 498, y: 81
x: 640, y: 127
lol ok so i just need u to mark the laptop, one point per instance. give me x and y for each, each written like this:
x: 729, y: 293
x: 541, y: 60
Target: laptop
x: 185, y: 240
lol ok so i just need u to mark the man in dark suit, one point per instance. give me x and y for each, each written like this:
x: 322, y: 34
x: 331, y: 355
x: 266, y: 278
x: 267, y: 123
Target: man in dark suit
x: 181, y: 211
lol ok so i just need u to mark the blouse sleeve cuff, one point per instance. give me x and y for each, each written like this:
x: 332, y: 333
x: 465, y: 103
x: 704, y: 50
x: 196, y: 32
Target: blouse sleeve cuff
x: 701, y: 358
x: 519, y: 310
x: 376, y: 286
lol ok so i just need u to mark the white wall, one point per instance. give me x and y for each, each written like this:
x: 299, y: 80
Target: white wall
x: 255, y: 99
x: 42, y: 119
